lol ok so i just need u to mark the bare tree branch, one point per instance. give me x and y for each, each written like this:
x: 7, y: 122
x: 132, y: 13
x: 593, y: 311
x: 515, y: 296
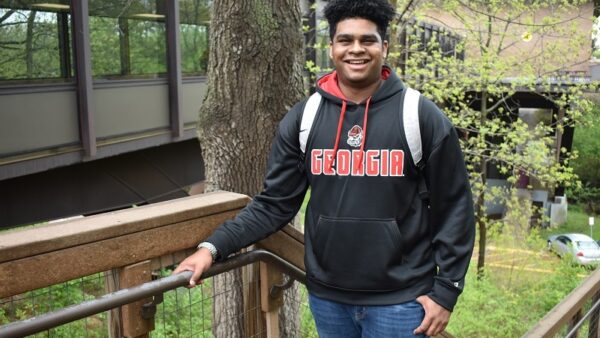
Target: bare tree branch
x: 6, y: 15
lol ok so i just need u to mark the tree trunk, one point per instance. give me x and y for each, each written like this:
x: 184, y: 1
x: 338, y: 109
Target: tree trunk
x: 29, y: 44
x: 254, y: 77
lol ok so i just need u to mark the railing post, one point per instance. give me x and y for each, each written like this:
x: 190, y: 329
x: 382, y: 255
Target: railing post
x: 133, y: 323
x: 576, y: 318
x: 114, y: 321
x: 253, y: 321
x: 270, y: 276
x: 594, y: 319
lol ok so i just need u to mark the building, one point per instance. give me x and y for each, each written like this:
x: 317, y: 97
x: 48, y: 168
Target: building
x: 98, y: 104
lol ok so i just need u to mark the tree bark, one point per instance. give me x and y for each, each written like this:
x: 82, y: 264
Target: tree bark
x: 254, y: 77
x: 29, y: 44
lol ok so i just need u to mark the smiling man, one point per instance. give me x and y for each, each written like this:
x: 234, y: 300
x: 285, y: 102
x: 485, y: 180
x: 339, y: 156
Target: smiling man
x: 384, y: 256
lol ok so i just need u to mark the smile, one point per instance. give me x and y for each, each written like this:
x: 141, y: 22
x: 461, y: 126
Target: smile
x: 357, y: 62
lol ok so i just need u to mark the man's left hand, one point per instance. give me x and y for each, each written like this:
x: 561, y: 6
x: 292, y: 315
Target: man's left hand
x: 436, y: 317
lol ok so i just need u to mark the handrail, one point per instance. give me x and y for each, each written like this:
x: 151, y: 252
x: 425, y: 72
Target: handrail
x: 126, y: 296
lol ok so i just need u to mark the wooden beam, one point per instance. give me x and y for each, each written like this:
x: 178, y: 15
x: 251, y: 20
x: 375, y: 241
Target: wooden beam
x: 21, y: 243
x: 133, y: 323
x: 29, y: 273
x: 287, y: 244
x: 270, y: 276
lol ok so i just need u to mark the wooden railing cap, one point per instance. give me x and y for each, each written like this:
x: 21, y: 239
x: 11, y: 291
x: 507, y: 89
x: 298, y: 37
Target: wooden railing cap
x: 29, y: 241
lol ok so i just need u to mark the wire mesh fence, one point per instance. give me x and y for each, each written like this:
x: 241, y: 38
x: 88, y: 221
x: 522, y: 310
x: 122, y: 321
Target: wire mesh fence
x: 55, y: 297
x: 182, y: 313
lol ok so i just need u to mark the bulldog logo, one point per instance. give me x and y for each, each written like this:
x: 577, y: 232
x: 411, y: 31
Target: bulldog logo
x: 355, y: 136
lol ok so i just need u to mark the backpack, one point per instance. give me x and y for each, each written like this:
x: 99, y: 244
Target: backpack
x: 412, y: 131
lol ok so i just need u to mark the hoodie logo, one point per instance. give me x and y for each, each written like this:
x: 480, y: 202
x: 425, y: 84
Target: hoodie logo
x: 355, y: 135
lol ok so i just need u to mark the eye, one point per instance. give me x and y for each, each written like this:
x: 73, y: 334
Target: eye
x: 369, y: 42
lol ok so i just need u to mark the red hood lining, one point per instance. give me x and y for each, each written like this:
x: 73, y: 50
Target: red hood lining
x: 329, y: 83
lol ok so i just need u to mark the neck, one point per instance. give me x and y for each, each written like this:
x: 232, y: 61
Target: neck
x: 359, y: 94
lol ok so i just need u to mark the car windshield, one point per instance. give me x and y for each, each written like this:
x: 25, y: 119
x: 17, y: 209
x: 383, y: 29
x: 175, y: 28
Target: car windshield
x: 587, y: 245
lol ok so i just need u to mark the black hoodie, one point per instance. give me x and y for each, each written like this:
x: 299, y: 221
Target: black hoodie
x: 370, y: 238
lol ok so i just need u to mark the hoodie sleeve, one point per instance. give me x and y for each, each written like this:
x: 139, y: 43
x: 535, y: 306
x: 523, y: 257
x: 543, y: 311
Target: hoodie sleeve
x: 451, y: 205
x: 283, y: 191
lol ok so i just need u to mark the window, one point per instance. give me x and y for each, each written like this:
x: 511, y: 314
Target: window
x: 128, y: 38
x: 194, y: 16
x: 35, y: 41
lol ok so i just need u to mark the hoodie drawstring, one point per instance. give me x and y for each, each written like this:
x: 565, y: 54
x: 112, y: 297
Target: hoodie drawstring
x: 364, y: 128
x: 337, y: 135
x: 330, y: 163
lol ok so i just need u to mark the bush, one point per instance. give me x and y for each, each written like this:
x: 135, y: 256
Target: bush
x: 488, y: 308
x: 588, y: 196
x: 586, y: 141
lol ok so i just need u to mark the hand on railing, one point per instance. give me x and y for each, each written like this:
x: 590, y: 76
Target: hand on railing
x: 198, y: 263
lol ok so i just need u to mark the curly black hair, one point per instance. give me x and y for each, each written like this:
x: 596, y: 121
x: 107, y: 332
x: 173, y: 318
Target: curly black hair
x: 380, y: 12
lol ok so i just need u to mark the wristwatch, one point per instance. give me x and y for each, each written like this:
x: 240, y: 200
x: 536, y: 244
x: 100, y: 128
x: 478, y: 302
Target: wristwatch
x: 211, y: 248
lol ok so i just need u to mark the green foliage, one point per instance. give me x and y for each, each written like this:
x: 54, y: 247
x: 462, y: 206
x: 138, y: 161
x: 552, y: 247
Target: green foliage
x: 185, y: 312
x: 489, y: 309
x: 307, y: 322
x: 588, y: 196
x: 123, y: 41
x: 577, y: 222
x: 56, y: 297
x: 28, y: 45
x: 476, y: 93
x: 586, y: 141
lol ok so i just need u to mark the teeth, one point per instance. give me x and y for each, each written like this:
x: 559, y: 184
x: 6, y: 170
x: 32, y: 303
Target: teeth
x: 357, y: 62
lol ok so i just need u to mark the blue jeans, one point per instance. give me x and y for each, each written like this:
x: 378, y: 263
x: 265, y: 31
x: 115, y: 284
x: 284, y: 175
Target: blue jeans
x: 336, y: 320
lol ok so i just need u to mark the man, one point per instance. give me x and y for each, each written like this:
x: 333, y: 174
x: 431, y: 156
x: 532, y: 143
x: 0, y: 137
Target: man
x: 381, y: 260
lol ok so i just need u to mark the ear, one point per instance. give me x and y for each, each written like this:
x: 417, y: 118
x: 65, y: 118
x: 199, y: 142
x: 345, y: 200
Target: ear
x: 385, y: 49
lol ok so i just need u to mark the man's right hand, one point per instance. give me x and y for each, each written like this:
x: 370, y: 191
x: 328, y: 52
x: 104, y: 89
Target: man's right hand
x: 198, y: 262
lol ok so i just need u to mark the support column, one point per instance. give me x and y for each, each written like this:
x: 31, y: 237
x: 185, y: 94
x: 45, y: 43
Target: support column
x: 83, y: 70
x: 174, y: 67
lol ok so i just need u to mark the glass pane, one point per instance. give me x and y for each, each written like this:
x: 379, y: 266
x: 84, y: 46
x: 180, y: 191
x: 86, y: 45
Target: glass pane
x: 128, y: 38
x: 35, y: 40
x: 195, y: 19
x: 104, y: 41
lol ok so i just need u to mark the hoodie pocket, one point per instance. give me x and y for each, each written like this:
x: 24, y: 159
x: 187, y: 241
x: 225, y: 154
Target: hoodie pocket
x: 357, y: 254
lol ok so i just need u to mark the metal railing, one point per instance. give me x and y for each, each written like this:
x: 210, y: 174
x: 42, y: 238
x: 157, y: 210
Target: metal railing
x: 151, y: 289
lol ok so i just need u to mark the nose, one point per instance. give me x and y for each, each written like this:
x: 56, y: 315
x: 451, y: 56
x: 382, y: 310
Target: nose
x: 356, y: 47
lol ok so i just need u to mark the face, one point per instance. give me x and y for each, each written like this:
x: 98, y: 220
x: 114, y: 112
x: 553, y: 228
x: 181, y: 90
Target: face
x: 358, y: 52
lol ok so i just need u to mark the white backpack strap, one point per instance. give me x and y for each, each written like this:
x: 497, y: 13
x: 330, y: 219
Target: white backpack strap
x: 308, y: 117
x: 412, y: 130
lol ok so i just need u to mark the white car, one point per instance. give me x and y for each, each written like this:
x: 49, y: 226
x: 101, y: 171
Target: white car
x: 582, y: 248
